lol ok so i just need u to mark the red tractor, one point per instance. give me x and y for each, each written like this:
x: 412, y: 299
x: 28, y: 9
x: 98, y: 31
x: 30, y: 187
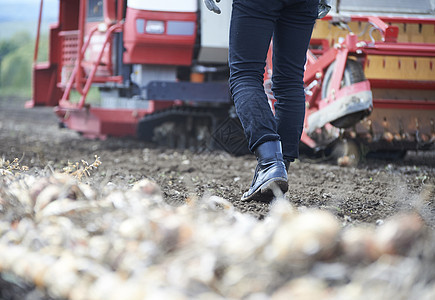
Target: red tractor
x: 162, y: 75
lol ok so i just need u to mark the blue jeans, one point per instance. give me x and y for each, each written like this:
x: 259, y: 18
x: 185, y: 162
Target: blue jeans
x: 253, y: 23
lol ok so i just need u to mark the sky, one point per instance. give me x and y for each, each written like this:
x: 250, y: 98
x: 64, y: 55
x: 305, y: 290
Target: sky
x: 27, y: 10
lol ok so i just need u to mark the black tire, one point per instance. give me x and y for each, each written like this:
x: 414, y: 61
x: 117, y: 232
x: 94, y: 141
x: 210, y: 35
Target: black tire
x: 353, y: 73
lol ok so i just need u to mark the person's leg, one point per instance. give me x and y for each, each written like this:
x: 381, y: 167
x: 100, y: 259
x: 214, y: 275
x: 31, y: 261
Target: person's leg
x: 252, y: 25
x: 290, y: 42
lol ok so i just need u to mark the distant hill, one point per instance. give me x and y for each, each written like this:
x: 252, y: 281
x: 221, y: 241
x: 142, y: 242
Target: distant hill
x: 8, y: 29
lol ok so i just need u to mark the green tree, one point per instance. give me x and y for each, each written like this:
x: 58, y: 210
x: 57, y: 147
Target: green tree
x: 10, y: 45
x: 17, y: 68
x: 6, y: 47
x: 16, y: 57
x: 21, y: 38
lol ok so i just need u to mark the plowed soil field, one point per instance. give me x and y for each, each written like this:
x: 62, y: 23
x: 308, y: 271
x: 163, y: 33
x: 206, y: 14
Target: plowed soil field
x: 372, y: 191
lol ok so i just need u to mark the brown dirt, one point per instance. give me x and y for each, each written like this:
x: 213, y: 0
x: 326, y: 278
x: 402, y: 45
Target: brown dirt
x: 372, y: 191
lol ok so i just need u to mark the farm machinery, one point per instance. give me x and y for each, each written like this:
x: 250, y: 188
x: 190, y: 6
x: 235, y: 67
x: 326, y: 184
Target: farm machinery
x: 160, y: 68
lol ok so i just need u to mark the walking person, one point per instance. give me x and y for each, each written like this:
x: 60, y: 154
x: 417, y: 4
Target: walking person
x: 273, y: 138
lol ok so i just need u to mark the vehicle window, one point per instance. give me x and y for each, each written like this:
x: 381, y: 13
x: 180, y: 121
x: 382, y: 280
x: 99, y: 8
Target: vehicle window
x: 95, y: 10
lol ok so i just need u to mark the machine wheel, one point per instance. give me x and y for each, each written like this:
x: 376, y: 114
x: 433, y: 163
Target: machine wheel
x: 353, y: 73
x: 346, y: 152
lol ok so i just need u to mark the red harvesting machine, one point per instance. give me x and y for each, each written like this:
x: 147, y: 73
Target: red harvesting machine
x: 160, y: 71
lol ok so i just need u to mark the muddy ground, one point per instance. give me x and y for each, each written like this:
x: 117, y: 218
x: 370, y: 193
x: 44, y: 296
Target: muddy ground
x: 372, y: 191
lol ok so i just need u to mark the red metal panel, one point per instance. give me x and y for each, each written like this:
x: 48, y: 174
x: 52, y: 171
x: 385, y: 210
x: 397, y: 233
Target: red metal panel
x: 102, y: 122
x: 69, y: 14
x: 404, y: 104
x: 400, y: 49
x: 45, y: 91
x: 110, y: 10
x: 389, y: 19
x: 402, y: 84
x: 163, y: 49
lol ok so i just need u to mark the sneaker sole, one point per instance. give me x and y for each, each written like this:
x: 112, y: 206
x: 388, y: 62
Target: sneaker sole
x: 266, y: 191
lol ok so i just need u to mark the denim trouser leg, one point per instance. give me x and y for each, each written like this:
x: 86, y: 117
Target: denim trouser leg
x: 253, y: 23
